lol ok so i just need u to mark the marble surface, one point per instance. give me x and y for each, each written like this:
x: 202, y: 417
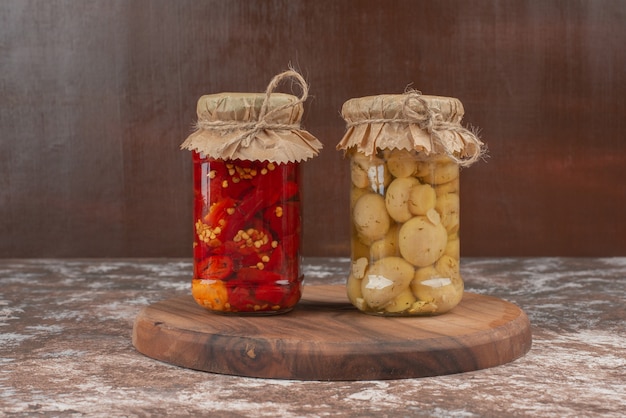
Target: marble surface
x: 65, y: 347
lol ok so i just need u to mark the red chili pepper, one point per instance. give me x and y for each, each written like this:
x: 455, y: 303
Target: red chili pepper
x: 275, y: 186
x: 214, y: 267
x: 288, y: 270
x: 291, y: 245
x: 201, y: 250
x: 236, y: 188
x: 269, y: 188
x: 219, y: 211
x: 254, y: 289
x: 239, y: 178
x: 214, y: 173
x: 272, y: 293
x: 252, y: 240
x: 276, y: 260
x: 293, y: 296
x: 281, y: 192
x: 257, y: 277
x: 253, y: 260
x: 253, y: 202
x: 283, y: 218
x: 240, y: 298
x: 290, y: 189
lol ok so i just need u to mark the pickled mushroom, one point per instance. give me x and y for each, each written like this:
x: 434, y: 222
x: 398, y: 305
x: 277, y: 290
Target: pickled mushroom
x: 441, y: 287
x: 421, y: 242
x: 370, y: 217
x: 386, y: 279
x: 355, y: 194
x: 353, y: 289
x: 422, y: 198
x: 449, y: 187
x: 401, y: 303
x: 453, y: 248
x: 448, y: 207
x: 387, y: 246
x: 401, y: 163
x: 397, y: 198
x: 442, y: 173
x: 358, y: 268
x: 369, y: 173
x: 358, y: 174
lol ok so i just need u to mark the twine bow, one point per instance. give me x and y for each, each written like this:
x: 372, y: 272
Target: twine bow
x: 253, y: 128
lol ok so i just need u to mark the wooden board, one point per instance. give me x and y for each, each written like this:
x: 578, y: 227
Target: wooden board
x: 326, y: 338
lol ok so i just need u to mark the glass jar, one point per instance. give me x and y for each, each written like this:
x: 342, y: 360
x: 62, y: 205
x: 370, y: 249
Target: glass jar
x: 246, y: 235
x: 404, y: 202
x: 247, y: 220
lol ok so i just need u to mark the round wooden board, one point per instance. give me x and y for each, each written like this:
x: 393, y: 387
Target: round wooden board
x: 326, y: 338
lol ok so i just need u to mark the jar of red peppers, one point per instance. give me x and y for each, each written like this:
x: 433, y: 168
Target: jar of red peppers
x: 405, y: 152
x: 246, y: 153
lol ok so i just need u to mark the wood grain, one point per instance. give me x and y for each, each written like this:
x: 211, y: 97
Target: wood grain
x: 325, y: 338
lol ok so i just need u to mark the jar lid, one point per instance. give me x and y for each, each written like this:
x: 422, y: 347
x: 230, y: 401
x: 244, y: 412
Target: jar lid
x: 410, y: 121
x: 254, y: 126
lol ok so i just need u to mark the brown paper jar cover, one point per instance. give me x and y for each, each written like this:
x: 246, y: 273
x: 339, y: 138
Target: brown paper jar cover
x: 410, y: 121
x: 230, y: 126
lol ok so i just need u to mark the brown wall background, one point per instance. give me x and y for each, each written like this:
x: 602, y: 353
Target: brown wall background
x: 96, y: 96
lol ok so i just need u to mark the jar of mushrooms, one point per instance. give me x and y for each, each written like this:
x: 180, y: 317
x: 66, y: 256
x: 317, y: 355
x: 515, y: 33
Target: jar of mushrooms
x: 405, y: 154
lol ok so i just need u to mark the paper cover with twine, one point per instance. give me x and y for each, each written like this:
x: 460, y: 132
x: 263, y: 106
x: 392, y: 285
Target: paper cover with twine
x: 254, y: 126
x: 410, y: 121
